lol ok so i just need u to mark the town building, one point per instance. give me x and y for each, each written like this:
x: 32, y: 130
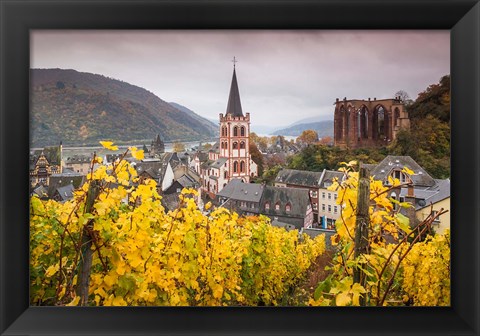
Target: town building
x: 286, y: 207
x: 43, y: 163
x: 78, y: 163
x: 368, y: 123
x: 328, y: 208
x: 301, y: 179
x: 323, y: 201
x: 157, y: 148
x: 420, y: 189
x: 229, y: 158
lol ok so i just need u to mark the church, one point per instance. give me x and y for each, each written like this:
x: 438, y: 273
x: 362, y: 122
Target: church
x: 230, y: 157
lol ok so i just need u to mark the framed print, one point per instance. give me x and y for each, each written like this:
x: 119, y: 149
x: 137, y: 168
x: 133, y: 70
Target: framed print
x: 30, y: 31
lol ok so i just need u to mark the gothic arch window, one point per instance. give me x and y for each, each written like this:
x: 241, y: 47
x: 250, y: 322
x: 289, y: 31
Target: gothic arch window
x: 288, y: 207
x: 242, y: 145
x: 380, y: 119
x: 267, y: 205
x: 235, y: 145
x: 277, y: 206
x: 242, y: 166
x: 235, y: 131
x: 362, y: 123
x: 235, y: 167
x: 396, y: 116
x: 348, y: 113
x: 242, y: 131
x: 340, y: 119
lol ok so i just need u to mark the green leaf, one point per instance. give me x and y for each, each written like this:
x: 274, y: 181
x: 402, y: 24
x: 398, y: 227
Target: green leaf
x: 323, y: 287
x: 403, y: 222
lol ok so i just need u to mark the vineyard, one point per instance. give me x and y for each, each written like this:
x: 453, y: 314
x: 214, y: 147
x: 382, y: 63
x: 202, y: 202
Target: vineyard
x: 115, y: 245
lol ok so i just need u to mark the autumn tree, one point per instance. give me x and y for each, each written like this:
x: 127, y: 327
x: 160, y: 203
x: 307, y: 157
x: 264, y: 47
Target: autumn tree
x: 178, y: 147
x: 257, y: 157
x: 308, y: 137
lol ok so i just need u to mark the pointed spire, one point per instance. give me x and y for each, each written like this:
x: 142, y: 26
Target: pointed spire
x: 234, y: 106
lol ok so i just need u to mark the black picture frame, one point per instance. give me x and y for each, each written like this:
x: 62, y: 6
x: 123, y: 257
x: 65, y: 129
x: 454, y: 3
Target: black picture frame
x: 18, y: 17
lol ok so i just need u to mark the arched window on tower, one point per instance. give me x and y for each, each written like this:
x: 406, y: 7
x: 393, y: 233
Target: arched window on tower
x: 235, y: 131
x: 242, y: 166
x: 235, y: 145
x: 363, y: 123
x: 242, y: 145
x: 242, y: 131
x: 340, y: 119
x: 380, y: 123
x: 235, y: 167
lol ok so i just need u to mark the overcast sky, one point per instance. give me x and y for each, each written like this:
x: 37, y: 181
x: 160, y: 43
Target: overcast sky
x: 283, y: 76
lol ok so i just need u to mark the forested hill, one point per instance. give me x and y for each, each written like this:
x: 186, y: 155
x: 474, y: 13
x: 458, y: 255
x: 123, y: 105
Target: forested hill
x: 204, y: 121
x: 80, y: 108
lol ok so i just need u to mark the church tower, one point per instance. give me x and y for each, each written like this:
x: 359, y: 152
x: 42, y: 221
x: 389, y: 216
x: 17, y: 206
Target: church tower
x: 235, y: 135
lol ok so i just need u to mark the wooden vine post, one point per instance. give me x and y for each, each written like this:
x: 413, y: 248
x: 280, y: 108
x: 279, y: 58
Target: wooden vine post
x: 361, y: 226
x: 86, y: 247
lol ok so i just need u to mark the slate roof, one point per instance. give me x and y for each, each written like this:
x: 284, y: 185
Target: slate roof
x: 313, y: 232
x: 170, y: 202
x: 66, y: 192
x: 218, y: 163
x: 298, y: 199
x: 66, y: 178
x: 328, y: 177
x: 156, y: 168
x: 202, y: 157
x: 237, y: 190
x: 234, y: 106
x: 299, y: 177
x: 431, y: 195
x: 41, y: 191
x: 78, y: 159
x: 215, y: 148
x: 186, y: 181
x: 369, y: 166
x: 391, y: 162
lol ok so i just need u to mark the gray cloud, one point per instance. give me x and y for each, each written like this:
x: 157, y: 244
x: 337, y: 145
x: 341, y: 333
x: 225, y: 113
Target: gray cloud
x: 283, y: 75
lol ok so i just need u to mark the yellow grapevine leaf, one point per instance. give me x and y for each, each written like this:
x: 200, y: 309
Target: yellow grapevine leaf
x: 137, y: 154
x: 108, y: 145
x: 342, y: 299
x: 74, y: 301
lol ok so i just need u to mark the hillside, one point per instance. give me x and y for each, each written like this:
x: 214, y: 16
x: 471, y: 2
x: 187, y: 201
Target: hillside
x: 323, y: 128
x: 213, y: 127
x: 82, y: 108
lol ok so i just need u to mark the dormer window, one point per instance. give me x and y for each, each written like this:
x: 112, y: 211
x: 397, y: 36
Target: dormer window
x: 398, y: 174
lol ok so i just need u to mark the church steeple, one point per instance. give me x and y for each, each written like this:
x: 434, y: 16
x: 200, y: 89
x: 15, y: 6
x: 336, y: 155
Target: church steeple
x: 234, y: 106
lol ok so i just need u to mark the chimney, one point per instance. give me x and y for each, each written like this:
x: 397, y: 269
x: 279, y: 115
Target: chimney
x: 410, y: 191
